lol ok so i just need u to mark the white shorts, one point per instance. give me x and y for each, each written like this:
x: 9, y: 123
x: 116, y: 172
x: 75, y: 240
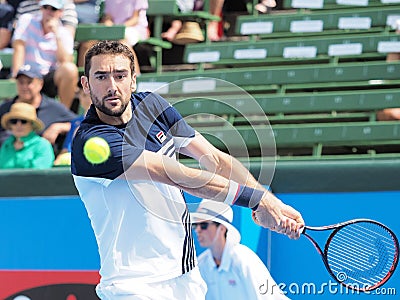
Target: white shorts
x: 189, y: 286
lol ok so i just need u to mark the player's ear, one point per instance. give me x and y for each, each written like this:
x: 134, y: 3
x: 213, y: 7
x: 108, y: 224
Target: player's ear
x: 85, y: 84
x: 133, y: 85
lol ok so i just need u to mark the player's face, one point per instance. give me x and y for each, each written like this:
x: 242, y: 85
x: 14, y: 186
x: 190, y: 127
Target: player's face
x: 110, y: 84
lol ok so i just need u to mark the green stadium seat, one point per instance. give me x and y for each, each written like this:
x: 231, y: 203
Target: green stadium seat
x: 232, y: 53
x: 8, y: 88
x: 267, y: 78
x: 288, y: 108
x: 160, y: 11
x: 314, y: 136
x: 87, y: 32
x: 6, y: 58
x: 337, y: 4
x: 289, y: 24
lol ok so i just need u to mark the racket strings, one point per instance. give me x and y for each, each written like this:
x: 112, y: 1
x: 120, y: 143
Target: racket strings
x: 361, y: 254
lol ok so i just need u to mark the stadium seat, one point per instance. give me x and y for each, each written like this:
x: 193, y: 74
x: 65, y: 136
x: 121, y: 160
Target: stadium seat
x: 163, y: 11
x: 301, y: 49
x: 87, y: 32
x: 325, y: 22
x: 267, y: 78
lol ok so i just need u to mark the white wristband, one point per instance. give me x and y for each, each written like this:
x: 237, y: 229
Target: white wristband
x: 232, y: 191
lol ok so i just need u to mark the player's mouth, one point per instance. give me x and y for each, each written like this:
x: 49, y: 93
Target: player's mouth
x: 112, y: 100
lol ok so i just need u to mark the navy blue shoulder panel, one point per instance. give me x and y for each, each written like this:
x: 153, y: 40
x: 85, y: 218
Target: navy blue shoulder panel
x: 154, y: 123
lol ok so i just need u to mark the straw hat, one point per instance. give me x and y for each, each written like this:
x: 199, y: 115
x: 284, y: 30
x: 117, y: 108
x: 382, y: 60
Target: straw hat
x: 23, y: 111
x: 219, y: 212
x: 189, y: 33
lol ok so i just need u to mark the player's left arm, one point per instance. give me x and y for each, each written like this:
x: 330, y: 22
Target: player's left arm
x: 219, y: 162
x: 271, y: 212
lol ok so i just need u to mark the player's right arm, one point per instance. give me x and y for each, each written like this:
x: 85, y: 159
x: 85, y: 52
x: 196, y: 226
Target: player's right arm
x: 271, y: 212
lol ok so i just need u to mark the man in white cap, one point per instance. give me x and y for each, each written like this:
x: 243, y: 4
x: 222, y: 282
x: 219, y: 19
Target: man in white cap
x: 230, y: 269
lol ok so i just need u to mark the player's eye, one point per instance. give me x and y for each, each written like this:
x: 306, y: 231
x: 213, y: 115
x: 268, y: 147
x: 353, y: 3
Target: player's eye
x: 101, y: 77
x: 120, y: 76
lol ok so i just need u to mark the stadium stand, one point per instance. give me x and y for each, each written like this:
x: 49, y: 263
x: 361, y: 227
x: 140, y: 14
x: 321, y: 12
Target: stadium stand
x: 320, y: 22
x: 319, y: 103
x: 336, y: 4
x: 258, y: 78
x: 367, y: 46
x: 160, y: 12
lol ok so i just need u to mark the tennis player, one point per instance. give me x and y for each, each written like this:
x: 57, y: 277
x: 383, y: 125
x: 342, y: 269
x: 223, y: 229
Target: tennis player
x: 134, y: 200
x: 231, y: 270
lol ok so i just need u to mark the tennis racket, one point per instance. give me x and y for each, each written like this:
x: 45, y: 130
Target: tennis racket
x: 360, y: 254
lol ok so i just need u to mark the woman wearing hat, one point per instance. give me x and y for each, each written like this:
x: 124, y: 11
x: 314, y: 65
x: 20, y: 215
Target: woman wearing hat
x: 24, y: 148
x: 230, y: 269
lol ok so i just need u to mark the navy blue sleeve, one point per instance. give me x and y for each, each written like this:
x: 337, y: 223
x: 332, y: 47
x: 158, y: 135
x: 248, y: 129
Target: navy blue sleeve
x: 168, y: 114
x: 122, y: 154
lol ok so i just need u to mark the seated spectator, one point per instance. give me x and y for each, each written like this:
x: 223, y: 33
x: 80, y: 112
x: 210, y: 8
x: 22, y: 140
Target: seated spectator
x: 391, y: 114
x: 87, y: 10
x: 230, y: 269
x: 64, y: 158
x: 88, y: 13
x: 24, y: 148
x: 7, y: 13
x: 214, y: 28
x: 132, y: 14
x: 42, y: 41
x: 69, y: 16
x: 264, y: 6
x: 55, y: 116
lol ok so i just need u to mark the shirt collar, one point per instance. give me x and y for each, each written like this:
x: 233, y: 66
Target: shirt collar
x: 226, y: 260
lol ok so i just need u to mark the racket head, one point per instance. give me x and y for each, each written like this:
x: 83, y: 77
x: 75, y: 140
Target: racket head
x: 361, y: 254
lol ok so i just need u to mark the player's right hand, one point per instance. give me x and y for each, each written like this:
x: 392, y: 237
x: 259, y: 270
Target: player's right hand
x: 272, y: 213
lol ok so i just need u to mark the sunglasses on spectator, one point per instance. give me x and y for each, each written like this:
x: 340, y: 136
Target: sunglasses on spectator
x: 203, y: 225
x: 47, y: 7
x: 15, y: 121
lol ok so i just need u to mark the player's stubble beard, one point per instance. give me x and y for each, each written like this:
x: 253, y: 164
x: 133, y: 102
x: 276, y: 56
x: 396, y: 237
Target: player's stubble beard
x: 100, y: 105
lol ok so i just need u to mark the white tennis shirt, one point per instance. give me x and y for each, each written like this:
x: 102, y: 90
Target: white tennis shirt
x: 142, y: 228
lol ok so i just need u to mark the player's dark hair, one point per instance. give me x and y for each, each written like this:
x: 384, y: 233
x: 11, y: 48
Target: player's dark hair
x: 111, y: 48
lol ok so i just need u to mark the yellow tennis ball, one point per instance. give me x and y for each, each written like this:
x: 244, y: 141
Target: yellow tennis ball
x: 96, y: 150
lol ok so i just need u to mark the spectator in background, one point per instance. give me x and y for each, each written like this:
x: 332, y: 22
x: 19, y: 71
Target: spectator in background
x: 88, y: 11
x: 264, y: 6
x: 230, y: 269
x: 391, y: 114
x: 132, y: 14
x: 24, y: 148
x: 64, y: 157
x: 69, y: 16
x: 7, y: 13
x: 214, y: 30
x: 55, y: 116
x: 43, y: 42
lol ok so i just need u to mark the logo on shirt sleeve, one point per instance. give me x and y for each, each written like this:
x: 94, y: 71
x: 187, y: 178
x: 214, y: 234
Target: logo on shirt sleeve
x: 161, y: 136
